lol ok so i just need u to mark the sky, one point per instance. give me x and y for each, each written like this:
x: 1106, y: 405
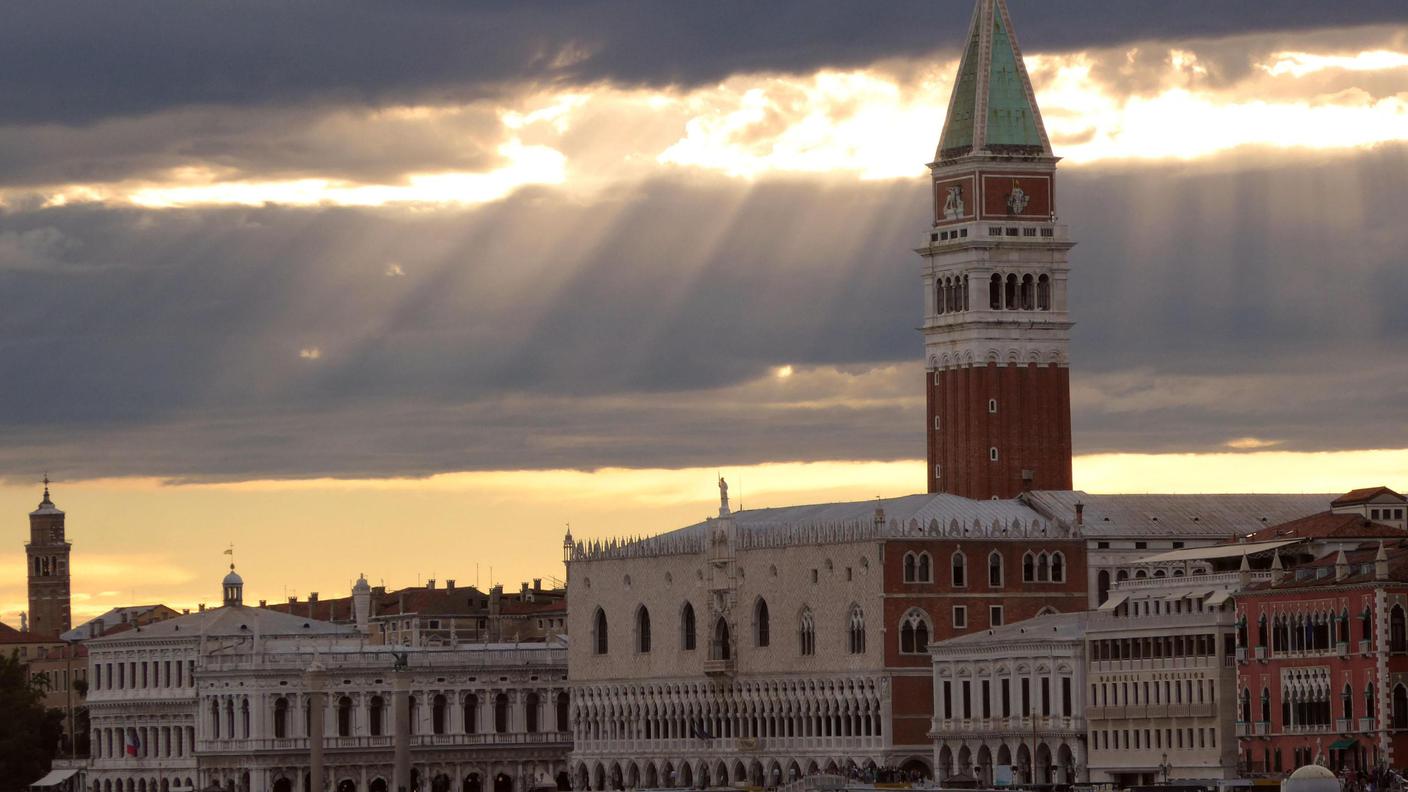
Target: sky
x: 409, y: 288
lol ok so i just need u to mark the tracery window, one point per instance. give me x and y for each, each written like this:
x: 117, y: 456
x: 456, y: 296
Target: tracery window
x: 914, y: 632
x: 643, y: 630
x: 960, y: 569
x: 856, y: 632
x: 806, y: 633
x: 599, y: 630
x: 688, y: 634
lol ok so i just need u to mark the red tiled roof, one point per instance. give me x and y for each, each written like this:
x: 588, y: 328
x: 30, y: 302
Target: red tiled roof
x: 1328, y: 525
x: 1363, y: 495
x: 17, y: 637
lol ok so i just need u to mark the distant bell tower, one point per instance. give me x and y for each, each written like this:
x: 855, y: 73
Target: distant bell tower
x: 47, y: 554
x: 996, y: 329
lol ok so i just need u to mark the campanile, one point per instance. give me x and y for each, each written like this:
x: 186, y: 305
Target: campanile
x: 995, y: 266
x: 47, y: 554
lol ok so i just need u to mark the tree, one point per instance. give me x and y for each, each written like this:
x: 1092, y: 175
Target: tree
x: 29, y: 733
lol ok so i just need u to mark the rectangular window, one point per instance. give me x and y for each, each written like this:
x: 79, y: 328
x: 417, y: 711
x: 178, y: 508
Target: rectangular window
x: 1046, y: 695
x: 1066, y: 696
x: 960, y: 616
x: 995, y: 615
x: 967, y: 700
x: 1141, y: 545
x: 1102, y: 545
x: 987, y: 699
x: 936, y: 423
x: 1026, y: 696
x: 948, y: 699
x: 1006, y: 687
x: 938, y: 471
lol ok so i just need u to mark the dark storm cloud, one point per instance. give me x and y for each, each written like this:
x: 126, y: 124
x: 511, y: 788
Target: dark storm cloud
x: 75, y: 62
x: 270, y: 143
x: 1213, y: 302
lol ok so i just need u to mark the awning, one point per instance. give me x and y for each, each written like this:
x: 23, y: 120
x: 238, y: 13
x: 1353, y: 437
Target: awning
x: 1219, y: 597
x: 54, y: 778
x: 1177, y: 595
x: 1343, y: 744
x: 1114, y: 601
x: 1229, y: 550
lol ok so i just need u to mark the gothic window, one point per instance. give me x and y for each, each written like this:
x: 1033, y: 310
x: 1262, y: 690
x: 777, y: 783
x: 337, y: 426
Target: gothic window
x: 914, y: 632
x: 374, y: 715
x: 1366, y: 625
x: 1246, y: 705
x: 1397, y: 640
x: 530, y: 712
x: 1043, y: 293
x: 856, y: 633
x: 995, y: 569
x: 1369, y: 700
x: 280, y: 718
x: 722, y: 646
x: 1010, y: 296
x: 642, y: 630
x: 599, y: 631
x: 960, y: 569
x: 1029, y: 568
x: 1400, y: 707
x: 1058, y: 567
x: 344, y: 717
x: 1348, y: 698
x: 215, y: 720
x: 940, y: 296
x: 806, y: 633
x: 909, y: 566
x: 995, y: 292
x: 923, y: 569
x: 687, y: 632
x: 501, y: 713
x: 1266, y: 704
x: 562, y: 712
x: 437, y: 714
x: 761, y: 628
x: 1028, y: 298
x: 1344, y: 626
x: 1043, y: 567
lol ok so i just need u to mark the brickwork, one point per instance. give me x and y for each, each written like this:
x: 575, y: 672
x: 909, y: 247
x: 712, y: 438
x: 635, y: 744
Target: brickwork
x: 1022, y: 412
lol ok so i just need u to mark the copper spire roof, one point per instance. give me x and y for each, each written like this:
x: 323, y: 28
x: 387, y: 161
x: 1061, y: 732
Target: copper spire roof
x: 993, y: 110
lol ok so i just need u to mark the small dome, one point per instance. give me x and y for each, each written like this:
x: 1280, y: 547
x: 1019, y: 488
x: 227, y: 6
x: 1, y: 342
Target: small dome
x: 233, y: 579
x: 1311, y: 778
x: 361, y: 586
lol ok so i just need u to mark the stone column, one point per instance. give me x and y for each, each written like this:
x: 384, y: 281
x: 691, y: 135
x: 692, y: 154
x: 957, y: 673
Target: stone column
x: 401, y: 725
x: 317, y: 713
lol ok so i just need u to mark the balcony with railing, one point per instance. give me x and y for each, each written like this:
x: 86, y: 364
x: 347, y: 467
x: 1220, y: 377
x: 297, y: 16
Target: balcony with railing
x: 366, y: 743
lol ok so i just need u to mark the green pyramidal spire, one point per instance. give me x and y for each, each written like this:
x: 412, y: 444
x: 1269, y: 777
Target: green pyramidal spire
x: 993, y: 110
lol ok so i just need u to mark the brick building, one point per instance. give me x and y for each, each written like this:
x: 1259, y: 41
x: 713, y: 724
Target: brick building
x: 1323, y: 668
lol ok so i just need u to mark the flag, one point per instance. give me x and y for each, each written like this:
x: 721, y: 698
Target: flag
x: 131, y: 743
x: 698, y: 731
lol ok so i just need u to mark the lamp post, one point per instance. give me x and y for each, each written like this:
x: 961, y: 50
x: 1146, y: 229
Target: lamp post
x: 1165, y: 767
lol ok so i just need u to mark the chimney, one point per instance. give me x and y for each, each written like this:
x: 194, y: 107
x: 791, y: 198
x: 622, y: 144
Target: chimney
x: 1341, y: 566
x: 201, y: 606
x: 312, y: 596
x: 1080, y: 513
x: 430, y: 584
x: 537, y: 584
x: 262, y: 603
x: 449, y: 584
x: 293, y: 599
x: 523, y: 588
x: 1381, y: 563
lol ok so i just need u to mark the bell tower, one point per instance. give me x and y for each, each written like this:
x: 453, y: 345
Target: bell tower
x: 47, y: 555
x: 995, y: 266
